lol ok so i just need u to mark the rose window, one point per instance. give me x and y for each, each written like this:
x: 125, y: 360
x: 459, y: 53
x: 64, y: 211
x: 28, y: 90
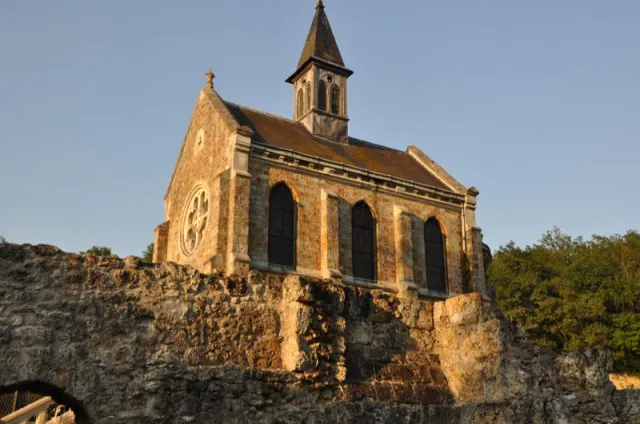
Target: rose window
x: 195, y: 221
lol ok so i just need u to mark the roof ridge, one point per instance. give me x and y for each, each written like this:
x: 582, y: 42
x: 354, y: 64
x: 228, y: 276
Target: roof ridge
x: 358, y: 141
x: 263, y: 112
x: 284, y: 133
x: 370, y: 143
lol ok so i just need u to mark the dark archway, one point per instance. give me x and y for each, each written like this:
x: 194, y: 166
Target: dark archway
x: 282, y: 226
x: 436, y: 256
x: 363, y: 233
x: 30, y: 391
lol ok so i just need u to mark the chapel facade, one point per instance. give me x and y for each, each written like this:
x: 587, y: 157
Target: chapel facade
x: 256, y: 191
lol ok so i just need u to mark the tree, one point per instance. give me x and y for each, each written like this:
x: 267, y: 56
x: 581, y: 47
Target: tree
x: 99, y: 251
x: 2, y: 239
x: 568, y: 293
x: 147, y: 253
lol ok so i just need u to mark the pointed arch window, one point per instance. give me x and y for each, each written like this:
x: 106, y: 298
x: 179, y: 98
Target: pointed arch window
x: 300, y: 104
x: 307, y: 97
x: 335, y: 99
x: 363, y: 233
x: 282, y: 224
x: 322, y: 95
x: 435, y: 249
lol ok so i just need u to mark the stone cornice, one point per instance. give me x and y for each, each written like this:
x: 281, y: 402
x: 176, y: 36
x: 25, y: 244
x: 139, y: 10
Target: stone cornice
x: 354, y: 175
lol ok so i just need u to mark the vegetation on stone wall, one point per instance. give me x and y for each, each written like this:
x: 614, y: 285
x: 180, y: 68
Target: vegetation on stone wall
x: 570, y: 293
x: 147, y: 253
x: 99, y: 251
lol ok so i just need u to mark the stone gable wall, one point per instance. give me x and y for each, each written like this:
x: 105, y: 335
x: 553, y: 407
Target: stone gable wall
x: 205, y: 165
x: 123, y: 341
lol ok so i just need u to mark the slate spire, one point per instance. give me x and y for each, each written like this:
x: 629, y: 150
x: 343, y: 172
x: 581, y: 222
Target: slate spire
x: 321, y: 45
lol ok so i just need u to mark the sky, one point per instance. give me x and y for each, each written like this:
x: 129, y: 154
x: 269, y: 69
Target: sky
x: 535, y: 103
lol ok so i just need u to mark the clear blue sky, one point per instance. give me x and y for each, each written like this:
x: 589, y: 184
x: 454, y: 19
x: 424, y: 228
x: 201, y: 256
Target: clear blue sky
x: 537, y: 103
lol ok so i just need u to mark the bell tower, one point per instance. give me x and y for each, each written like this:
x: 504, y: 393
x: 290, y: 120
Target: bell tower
x: 320, y: 83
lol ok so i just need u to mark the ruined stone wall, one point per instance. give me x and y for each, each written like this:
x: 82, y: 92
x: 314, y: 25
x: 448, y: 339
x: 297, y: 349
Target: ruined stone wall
x: 369, y: 343
x: 122, y: 341
x: 203, y: 161
x: 309, y: 191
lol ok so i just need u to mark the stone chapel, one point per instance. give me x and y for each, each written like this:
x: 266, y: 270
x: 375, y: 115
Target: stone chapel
x: 252, y: 190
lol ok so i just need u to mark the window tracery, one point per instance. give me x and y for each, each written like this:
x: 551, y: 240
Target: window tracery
x: 195, y: 220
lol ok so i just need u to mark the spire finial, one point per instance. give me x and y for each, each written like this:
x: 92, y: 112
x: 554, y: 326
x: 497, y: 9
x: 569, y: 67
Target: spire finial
x: 319, y: 4
x: 210, y: 77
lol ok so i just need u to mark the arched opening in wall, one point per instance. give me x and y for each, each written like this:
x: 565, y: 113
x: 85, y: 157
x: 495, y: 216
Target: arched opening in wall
x: 300, y: 104
x: 282, y: 226
x: 307, y: 96
x: 335, y: 99
x: 363, y: 243
x: 40, y: 403
x: 436, y: 256
x: 322, y: 95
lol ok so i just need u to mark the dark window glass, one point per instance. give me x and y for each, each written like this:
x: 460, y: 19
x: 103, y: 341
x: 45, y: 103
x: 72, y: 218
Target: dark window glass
x: 307, y: 103
x: 322, y: 95
x: 363, y: 242
x: 335, y: 99
x: 282, y: 219
x: 300, y: 104
x: 434, y: 241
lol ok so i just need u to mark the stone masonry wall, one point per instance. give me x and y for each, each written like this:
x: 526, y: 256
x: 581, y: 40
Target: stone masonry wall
x: 309, y: 190
x: 123, y: 341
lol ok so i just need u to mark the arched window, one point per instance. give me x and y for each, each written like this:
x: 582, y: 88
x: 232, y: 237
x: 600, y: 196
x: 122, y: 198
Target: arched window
x: 300, y: 105
x: 435, y: 247
x: 282, y: 224
x: 363, y: 233
x: 322, y: 95
x: 307, y: 100
x: 335, y: 99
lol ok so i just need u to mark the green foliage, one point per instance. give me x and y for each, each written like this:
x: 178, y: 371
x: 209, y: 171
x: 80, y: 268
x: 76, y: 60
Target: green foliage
x: 99, y: 251
x: 147, y: 253
x: 569, y: 293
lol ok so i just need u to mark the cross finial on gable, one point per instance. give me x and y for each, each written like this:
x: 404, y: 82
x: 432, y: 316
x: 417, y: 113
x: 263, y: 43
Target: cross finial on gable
x: 210, y: 77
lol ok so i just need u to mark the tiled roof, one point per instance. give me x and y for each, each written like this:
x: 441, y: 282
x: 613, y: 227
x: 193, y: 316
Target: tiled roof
x: 286, y: 134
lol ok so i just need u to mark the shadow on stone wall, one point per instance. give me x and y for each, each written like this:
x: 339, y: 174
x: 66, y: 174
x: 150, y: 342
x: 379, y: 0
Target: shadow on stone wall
x: 368, y: 342
x: 389, y: 357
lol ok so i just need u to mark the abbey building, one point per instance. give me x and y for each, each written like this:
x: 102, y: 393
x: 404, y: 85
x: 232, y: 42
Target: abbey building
x: 256, y: 191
